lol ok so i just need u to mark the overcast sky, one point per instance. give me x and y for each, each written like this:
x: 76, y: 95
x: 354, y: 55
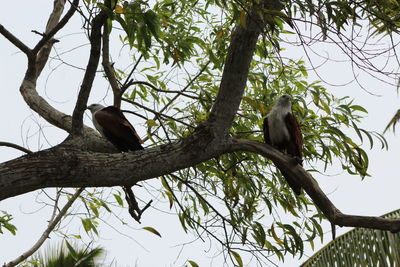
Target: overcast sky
x: 375, y: 195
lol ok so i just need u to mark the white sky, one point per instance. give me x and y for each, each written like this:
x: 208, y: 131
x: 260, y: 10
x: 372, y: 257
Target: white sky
x: 376, y: 195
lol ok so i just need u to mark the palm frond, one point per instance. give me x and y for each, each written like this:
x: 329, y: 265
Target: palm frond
x: 67, y: 255
x: 360, y: 247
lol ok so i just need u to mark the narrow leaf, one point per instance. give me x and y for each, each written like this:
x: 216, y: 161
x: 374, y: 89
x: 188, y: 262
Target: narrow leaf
x: 237, y: 258
x: 152, y: 230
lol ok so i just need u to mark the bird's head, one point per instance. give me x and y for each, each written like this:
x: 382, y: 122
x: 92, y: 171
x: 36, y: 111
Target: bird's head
x: 95, y: 107
x: 284, y: 100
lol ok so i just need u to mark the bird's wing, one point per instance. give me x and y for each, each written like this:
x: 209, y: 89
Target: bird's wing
x: 296, y: 137
x: 117, y: 129
x: 267, y: 138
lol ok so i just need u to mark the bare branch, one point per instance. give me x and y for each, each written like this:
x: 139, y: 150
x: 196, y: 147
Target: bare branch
x: 128, y: 79
x: 44, y: 46
x: 134, y: 113
x: 134, y: 210
x: 15, y: 41
x: 185, y: 88
x: 157, y: 114
x: 47, y: 232
x: 160, y: 90
x: 35, y: 66
x: 90, y: 73
x: 109, y: 69
x: 52, y: 26
x: 23, y: 149
x: 234, y: 76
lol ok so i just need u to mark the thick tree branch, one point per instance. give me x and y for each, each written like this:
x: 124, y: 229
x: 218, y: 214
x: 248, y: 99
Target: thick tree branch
x: 313, y: 190
x: 237, y: 64
x: 90, y: 73
x: 63, y: 167
x: 109, y: 69
x: 234, y: 76
x: 23, y: 149
x: 67, y: 165
x: 35, y: 66
x: 47, y: 232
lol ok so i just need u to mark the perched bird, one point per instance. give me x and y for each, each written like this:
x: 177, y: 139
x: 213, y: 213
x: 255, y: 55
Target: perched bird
x: 112, y: 124
x: 282, y: 131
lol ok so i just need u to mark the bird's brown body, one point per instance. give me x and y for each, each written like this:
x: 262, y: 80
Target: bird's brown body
x: 113, y: 125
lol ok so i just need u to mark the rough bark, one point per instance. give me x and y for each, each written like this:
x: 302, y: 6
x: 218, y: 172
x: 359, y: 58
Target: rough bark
x: 63, y: 166
x: 75, y: 163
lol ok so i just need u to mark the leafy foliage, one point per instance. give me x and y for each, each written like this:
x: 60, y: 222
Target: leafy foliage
x: 178, y: 50
x: 382, y: 15
x: 5, y: 223
x: 184, y: 44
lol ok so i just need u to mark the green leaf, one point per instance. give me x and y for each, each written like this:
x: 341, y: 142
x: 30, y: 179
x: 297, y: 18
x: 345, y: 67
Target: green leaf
x: 152, y: 230
x: 119, y: 199
x: 94, y: 208
x: 87, y: 225
x: 151, y: 123
x: 193, y: 264
x: 237, y: 258
x: 359, y: 108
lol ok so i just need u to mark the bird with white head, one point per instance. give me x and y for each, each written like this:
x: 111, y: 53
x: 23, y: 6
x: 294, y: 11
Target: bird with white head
x: 112, y: 125
x: 282, y: 130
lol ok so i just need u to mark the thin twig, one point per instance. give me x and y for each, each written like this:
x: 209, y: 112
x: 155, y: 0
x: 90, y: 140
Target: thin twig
x: 23, y: 149
x: 124, y: 86
x: 130, y: 83
x: 15, y: 41
x: 46, y: 233
x: 158, y: 114
x: 134, y: 113
x: 47, y: 36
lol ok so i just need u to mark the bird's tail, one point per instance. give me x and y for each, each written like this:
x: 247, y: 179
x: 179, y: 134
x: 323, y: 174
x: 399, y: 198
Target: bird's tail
x: 295, y: 185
